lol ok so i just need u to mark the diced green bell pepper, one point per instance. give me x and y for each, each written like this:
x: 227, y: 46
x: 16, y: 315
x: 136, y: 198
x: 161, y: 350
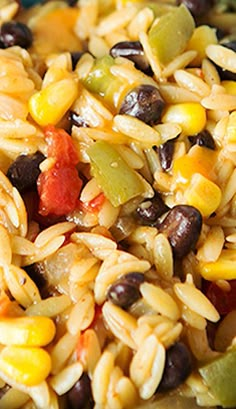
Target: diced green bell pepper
x: 220, y: 376
x: 169, y: 37
x: 118, y: 181
x: 159, y: 9
x: 101, y: 81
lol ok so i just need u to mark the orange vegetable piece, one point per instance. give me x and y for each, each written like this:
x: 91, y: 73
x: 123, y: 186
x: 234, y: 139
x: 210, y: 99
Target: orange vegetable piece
x: 54, y: 32
x: 197, y: 160
x: 5, y: 303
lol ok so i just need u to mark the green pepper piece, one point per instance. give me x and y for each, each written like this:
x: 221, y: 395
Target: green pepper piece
x: 159, y: 9
x: 170, y: 36
x: 220, y: 376
x: 101, y: 81
x: 117, y: 180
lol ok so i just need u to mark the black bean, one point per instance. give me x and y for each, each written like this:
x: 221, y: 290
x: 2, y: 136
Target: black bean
x: 4, y: 390
x: 197, y: 7
x: 29, y: 3
x: 166, y: 153
x: 16, y: 33
x: 220, y: 33
x: 182, y: 226
x: 125, y: 291
x: 24, y: 171
x: 134, y: 278
x: 145, y: 103
x: 37, y: 273
x: 149, y: 210
x: 226, y: 74
x: 230, y: 44
x: 204, y: 139
x: 75, y: 57
x: 80, y: 396
x: 132, y: 50
x: 72, y: 3
x: 178, y: 367
x: 77, y: 120
x: 123, y: 294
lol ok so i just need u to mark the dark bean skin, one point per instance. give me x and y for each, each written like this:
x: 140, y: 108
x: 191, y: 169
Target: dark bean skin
x: 178, y: 367
x: 24, y: 171
x: 197, y: 7
x: 125, y: 291
x: 182, y: 226
x: 3, y: 390
x: 149, y: 210
x: 80, y: 396
x: 204, y: 139
x: 231, y: 45
x: 123, y: 294
x: 134, y: 278
x: 76, y: 120
x: 166, y: 153
x: 145, y: 103
x: 75, y: 57
x: 16, y: 33
x: 220, y: 33
x: 28, y: 3
x: 72, y: 3
x: 132, y: 50
x: 37, y: 273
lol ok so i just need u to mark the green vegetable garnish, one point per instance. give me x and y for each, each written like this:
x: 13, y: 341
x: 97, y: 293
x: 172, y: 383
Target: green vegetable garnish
x: 169, y: 37
x: 117, y: 180
x: 220, y: 376
x: 101, y: 81
x: 159, y: 9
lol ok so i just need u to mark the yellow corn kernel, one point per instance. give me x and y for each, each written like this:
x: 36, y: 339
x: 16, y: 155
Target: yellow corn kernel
x: 229, y: 86
x: 28, y: 366
x: 123, y: 3
x: 222, y: 269
x: 191, y: 116
x: 201, y: 38
x: 203, y: 194
x: 26, y: 331
x: 231, y: 128
x: 197, y: 160
x: 49, y: 105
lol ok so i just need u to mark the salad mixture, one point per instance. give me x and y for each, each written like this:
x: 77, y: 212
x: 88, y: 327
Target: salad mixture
x: 117, y: 204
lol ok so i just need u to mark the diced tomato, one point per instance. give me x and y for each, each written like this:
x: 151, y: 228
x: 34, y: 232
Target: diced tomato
x: 58, y: 190
x: 4, y: 305
x: 60, y: 146
x: 97, y: 202
x: 68, y: 236
x: 97, y: 315
x: 93, y: 205
x: 224, y: 301
x: 81, y: 350
x: 59, y: 187
x: 86, y: 337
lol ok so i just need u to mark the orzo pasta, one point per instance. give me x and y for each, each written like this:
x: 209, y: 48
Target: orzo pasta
x: 117, y: 204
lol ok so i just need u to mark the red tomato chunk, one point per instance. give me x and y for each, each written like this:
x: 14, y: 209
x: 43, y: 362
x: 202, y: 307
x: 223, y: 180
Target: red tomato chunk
x: 59, y: 187
x: 94, y: 205
x: 60, y: 146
